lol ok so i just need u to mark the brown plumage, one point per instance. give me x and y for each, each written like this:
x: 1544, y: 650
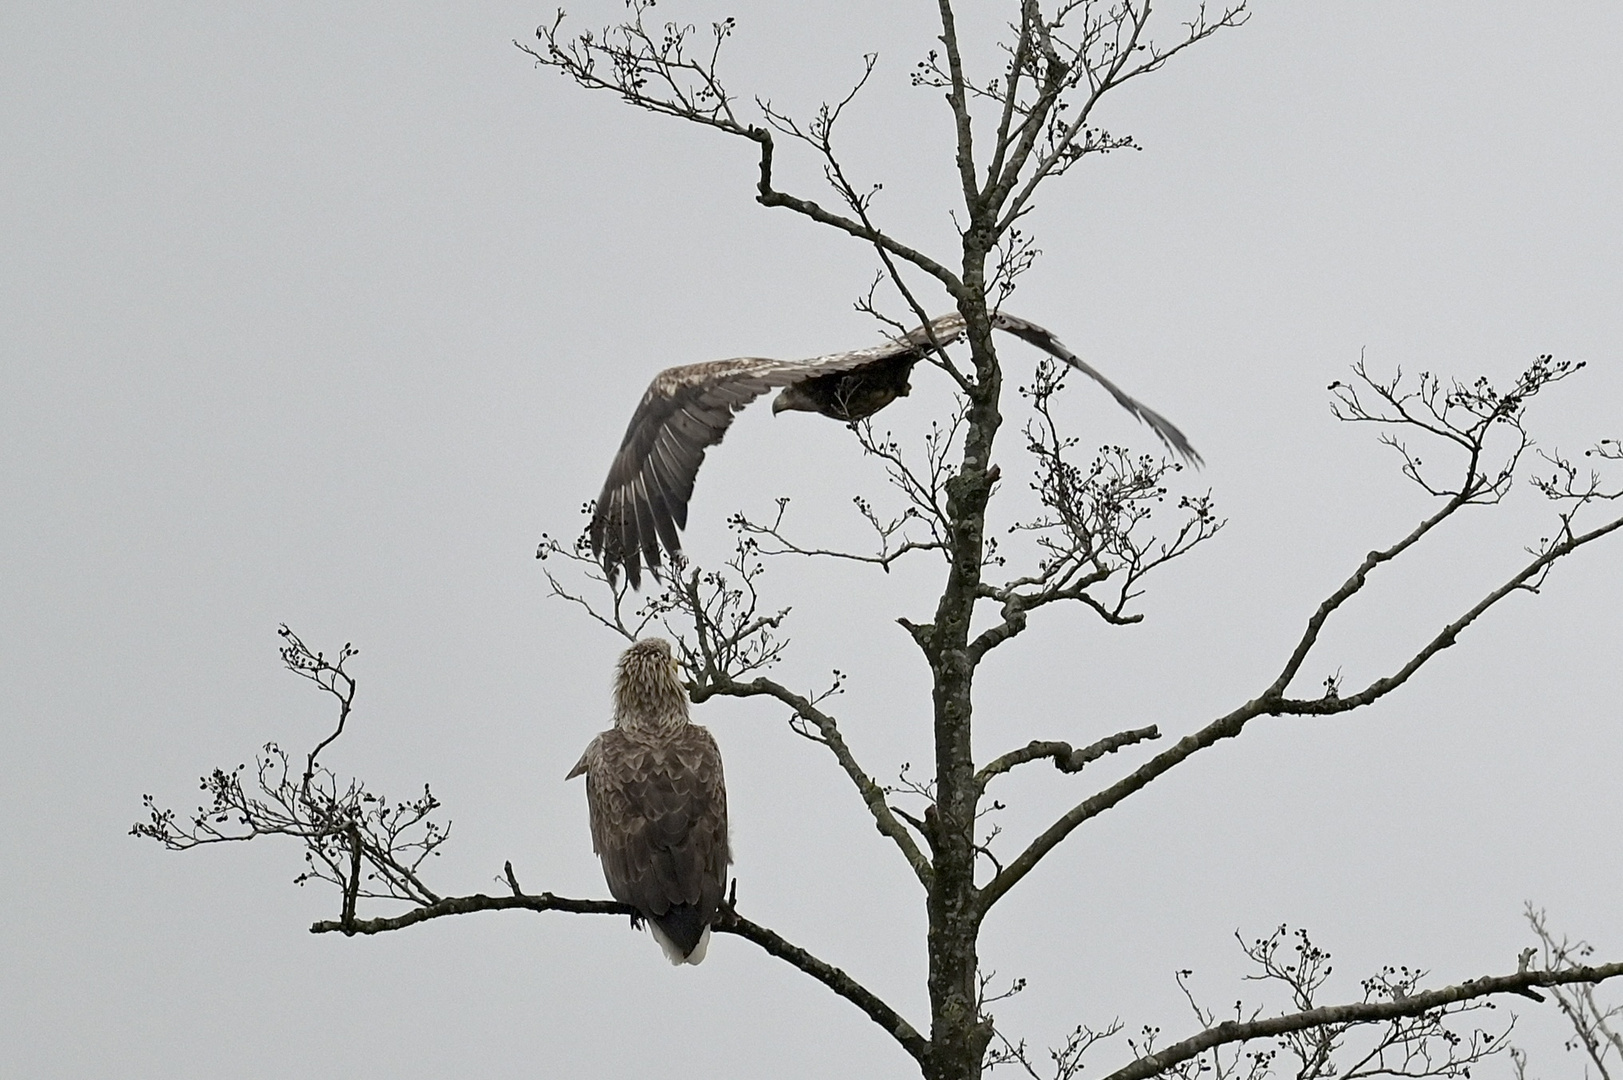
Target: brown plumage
x: 686, y: 410
x: 658, y: 804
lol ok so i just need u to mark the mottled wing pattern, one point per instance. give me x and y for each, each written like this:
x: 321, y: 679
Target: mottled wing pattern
x: 659, y: 818
x: 684, y: 412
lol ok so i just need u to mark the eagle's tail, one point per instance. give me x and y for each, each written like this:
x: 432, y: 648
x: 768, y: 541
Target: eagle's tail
x: 682, y: 932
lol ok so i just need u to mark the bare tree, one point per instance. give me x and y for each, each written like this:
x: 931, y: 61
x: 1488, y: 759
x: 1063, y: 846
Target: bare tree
x: 1089, y: 531
x: 1594, y: 1025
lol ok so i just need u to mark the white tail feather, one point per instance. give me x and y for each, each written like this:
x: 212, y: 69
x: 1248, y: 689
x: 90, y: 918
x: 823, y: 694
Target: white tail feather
x: 673, y: 952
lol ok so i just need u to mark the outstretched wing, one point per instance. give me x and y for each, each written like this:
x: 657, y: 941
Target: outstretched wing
x: 659, y: 819
x: 684, y: 412
x: 687, y: 410
x: 1048, y: 343
x: 949, y: 329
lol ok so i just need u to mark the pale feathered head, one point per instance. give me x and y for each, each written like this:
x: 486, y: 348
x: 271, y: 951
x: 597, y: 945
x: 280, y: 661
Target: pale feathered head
x: 648, y: 689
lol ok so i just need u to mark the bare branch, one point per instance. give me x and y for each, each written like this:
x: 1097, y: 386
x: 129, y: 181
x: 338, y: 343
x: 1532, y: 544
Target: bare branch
x: 1591, y: 1023
x: 1564, y: 485
x: 1107, y: 50
x: 362, y: 843
x: 833, y: 978
x: 330, y: 677
x: 923, y: 486
x: 1527, y: 579
x: 464, y: 905
x: 1271, y: 702
x: 1465, y: 416
x: 1418, y: 1004
x: 1065, y: 759
x: 1494, y: 411
x: 767, y: 195
x: 714, y: 617
x: 819, y: 135
x: 959, y: 104
x: 1065, y: 1059
x: 1020, y: 62
x: 729, y: 922
x: 731, y: 637
x: 893, y: 541
x: 1426, y: 1045
x: 626, y: 615
x: 873, y: 795
x: 657, y: 70
x: 1095, y: 526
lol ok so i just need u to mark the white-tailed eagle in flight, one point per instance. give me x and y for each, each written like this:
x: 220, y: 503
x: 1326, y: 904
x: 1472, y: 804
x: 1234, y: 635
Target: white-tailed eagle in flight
x: 688, y: 409
x: 658, y: 805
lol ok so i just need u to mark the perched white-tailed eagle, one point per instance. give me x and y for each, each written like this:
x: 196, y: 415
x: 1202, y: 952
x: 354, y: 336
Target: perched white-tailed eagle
x: 658, y: 804
x: 688, y: 409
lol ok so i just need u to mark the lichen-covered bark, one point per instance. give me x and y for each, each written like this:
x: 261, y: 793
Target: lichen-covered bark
x: 958, y: 1034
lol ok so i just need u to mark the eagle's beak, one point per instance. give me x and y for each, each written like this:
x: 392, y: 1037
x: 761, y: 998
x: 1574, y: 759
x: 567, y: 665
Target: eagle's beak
x: 792, y: 399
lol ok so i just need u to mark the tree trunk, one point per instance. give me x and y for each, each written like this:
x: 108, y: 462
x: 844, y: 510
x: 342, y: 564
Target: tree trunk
x: 958, y: 1035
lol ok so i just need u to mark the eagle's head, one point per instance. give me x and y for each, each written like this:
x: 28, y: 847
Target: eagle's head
x: 794, y: 399
x: 648, y: 689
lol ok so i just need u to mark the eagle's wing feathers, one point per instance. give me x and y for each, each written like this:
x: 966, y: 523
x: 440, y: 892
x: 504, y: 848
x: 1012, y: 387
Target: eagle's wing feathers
x: 687, y: 410
x: 944, y: 331
x: 684, y: 411
x: 1048, y: 343
x: 585, y: 761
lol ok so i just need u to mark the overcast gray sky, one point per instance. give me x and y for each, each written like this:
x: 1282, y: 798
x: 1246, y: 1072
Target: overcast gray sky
x: 323, y: 313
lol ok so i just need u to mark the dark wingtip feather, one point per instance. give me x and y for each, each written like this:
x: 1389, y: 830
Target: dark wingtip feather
x: 1045, y: 340
x: 604, y: 550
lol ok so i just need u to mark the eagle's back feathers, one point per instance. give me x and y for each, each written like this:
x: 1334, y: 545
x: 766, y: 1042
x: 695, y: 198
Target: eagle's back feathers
x: 658, y: 808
